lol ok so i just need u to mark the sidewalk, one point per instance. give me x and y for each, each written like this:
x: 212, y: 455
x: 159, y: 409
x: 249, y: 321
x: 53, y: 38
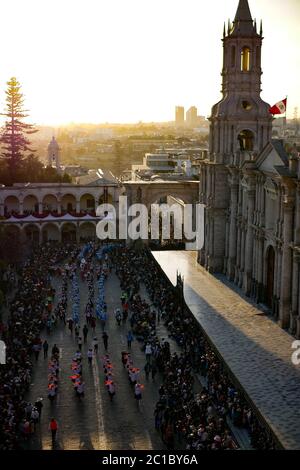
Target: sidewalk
x: 257, y: 350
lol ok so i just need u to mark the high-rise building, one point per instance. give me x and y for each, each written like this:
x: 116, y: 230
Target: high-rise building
x: 191, y: 117
x: 179, y: 115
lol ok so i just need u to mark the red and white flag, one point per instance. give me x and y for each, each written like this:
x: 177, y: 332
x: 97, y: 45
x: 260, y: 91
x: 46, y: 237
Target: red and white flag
x: 279, y: 108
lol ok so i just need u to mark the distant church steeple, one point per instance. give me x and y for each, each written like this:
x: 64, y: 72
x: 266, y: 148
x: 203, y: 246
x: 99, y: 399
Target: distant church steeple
x: 54, y: 154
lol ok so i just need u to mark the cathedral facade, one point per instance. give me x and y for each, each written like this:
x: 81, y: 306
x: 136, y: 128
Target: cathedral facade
x: 250, y: 184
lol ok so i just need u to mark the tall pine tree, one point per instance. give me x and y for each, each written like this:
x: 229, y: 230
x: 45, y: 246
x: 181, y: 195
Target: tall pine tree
x: 14, y: 140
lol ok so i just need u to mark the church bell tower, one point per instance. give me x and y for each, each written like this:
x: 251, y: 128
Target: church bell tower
x: 240, y: 127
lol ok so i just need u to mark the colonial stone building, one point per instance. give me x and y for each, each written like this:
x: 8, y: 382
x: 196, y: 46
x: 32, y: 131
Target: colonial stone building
x: 250, y: 184
x: 61, y: 212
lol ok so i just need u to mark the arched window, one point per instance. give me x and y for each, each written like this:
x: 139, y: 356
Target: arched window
x: 232, y: 56
x: 245, y: 59
x: 246, y: 140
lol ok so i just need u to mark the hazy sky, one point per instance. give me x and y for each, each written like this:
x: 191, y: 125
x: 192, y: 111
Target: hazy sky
x: 131, y: 60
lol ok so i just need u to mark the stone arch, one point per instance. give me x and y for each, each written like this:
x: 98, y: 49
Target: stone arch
x: 50, y: 203
x: 68, y: 203
x: 13, y: 231
x: 105, y: 198
x: 87, y: 231
x: 68, y: 232
x: 32, y: 233
x: 11, y: 204
x: 30, y: 204
x: 87, y: 202
x: 50, y: 232
x: 246, y: 139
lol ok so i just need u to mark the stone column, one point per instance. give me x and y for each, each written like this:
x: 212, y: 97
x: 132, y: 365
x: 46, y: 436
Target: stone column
x: 40, y: 207
x: 242, y: 266
x: 59, y: 234
x: 40, y: 235
x: 260, y: 267
x: 298, y: 317
x: 285, y: 297
x: 238, y: 256
x: 249, y: 244
x: 232, y: 252
x: 1, y: 210
x: 77, y: 233
x: 77, y: 207
x: 21, y: 208
x: 295, y: 293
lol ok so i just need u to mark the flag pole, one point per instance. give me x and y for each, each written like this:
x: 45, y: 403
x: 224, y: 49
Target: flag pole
x: 285, y: 116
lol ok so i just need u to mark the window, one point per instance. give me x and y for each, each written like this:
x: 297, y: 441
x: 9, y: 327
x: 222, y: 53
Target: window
x: 246, y: 105
x: 246, y: 140
x: 232, y: 56
x: 245, y: 59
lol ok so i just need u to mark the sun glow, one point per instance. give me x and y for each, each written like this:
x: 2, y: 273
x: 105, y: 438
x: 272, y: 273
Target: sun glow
x: 131, y: 60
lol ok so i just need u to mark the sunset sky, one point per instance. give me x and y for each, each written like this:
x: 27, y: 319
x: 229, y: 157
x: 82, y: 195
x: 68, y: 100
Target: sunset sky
x: 131, y: 60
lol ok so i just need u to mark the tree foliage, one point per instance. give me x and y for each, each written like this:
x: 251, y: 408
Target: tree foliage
x: 14, y: 137
x: 19, y: 163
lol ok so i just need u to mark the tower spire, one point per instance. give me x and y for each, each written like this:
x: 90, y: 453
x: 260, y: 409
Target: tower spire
x: 243, y: 12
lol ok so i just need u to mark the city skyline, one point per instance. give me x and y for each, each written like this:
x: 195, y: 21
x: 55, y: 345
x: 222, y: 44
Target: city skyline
x: 90, y: 65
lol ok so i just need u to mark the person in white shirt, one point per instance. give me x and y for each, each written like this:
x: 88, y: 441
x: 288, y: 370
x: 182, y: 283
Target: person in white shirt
x: 148, y: 352
x: 90, y: 355
x: 80, y: 390
x: 111, y: 390
x: 138, y: 392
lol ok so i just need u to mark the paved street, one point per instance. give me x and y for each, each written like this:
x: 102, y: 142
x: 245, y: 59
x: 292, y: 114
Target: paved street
x: 256, y: 349
x: 96, y: 423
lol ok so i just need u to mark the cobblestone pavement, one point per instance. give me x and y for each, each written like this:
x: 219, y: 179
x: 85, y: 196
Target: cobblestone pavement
x: 96, y: 423
x: 256, y: 349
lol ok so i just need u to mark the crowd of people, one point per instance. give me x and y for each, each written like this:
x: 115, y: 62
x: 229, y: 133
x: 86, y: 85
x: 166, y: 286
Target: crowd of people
x: 53, y: 374
x: 187, y: 415
x: 76, y: 377
x: 133, y: 375
x: 108, y: 376
x: 28, y: 314
x: 185, y: 418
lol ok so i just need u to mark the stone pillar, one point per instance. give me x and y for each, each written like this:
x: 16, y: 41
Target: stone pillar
x: 295, y: 294
x: 40, y: 235
x: 59, y: 234
x: 238, y: 255
x: 77, y: 207
x: 232, y: 252
x: 40, y: 207
x: 1, y: 209
x: 242, y: 265
x: 249, y: 244
x: 285, y: 297
x: 298, y: 317
x: 21, y: 208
